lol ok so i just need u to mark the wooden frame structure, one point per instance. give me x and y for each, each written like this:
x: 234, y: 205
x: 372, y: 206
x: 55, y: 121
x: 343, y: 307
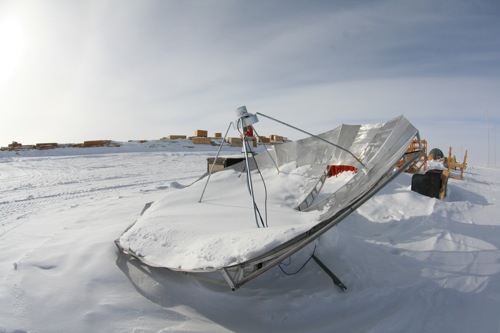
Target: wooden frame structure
x: 419, y: 163
x: 454, y: 165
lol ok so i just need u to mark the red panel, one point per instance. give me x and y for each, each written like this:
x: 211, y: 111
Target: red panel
x: 336, y: 169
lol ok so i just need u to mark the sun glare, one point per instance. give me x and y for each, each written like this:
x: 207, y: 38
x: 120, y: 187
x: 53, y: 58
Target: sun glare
x: 11, y: 48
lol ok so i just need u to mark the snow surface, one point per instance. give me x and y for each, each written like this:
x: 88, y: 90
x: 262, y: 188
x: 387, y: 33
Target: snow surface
x: 411, y: 263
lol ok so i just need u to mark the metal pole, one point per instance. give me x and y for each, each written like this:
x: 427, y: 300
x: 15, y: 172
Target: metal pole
x: 215, y: 160
x: 488, y: 123
x: 334, y: 277
x: 272, y: 159
x: 315, y: 136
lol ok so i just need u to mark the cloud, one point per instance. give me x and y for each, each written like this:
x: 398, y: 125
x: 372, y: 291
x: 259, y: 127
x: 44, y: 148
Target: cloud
x: 127, y: 69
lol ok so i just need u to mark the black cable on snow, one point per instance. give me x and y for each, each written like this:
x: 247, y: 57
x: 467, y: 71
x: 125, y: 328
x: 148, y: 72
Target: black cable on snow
x: 301, y: 267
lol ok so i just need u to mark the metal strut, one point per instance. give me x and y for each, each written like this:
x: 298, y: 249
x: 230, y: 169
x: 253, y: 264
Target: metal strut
x: 265, y: 148
x: 334, y: 277
x: 315, y: 136
x: 215, y: 161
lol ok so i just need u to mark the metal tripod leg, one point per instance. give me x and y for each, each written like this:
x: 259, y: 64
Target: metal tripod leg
x: 265, y: 148
x: 335, y: 279
x: 215, y: 160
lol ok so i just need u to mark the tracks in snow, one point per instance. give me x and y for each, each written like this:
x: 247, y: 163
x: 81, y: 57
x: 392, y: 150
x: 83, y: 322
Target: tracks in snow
x: 30, y: 185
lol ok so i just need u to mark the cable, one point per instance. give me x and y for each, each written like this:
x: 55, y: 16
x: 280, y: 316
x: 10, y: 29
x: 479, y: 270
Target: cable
x: 249, y: 177
x: 256, y: 207
x: 264, y: 224
x: 303, y: 265
x: 265, y: 189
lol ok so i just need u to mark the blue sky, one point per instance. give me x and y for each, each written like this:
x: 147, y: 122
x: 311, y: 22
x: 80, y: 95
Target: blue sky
x: 83, y: 70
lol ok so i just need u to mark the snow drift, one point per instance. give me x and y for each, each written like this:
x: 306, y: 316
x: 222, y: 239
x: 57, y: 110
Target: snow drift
x: 412, y: 263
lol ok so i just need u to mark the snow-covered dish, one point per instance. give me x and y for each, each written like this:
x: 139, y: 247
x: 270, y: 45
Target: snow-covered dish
x: 193, y: 231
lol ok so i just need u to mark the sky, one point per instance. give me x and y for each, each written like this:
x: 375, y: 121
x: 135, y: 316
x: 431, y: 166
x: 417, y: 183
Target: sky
x: 126, y: 70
